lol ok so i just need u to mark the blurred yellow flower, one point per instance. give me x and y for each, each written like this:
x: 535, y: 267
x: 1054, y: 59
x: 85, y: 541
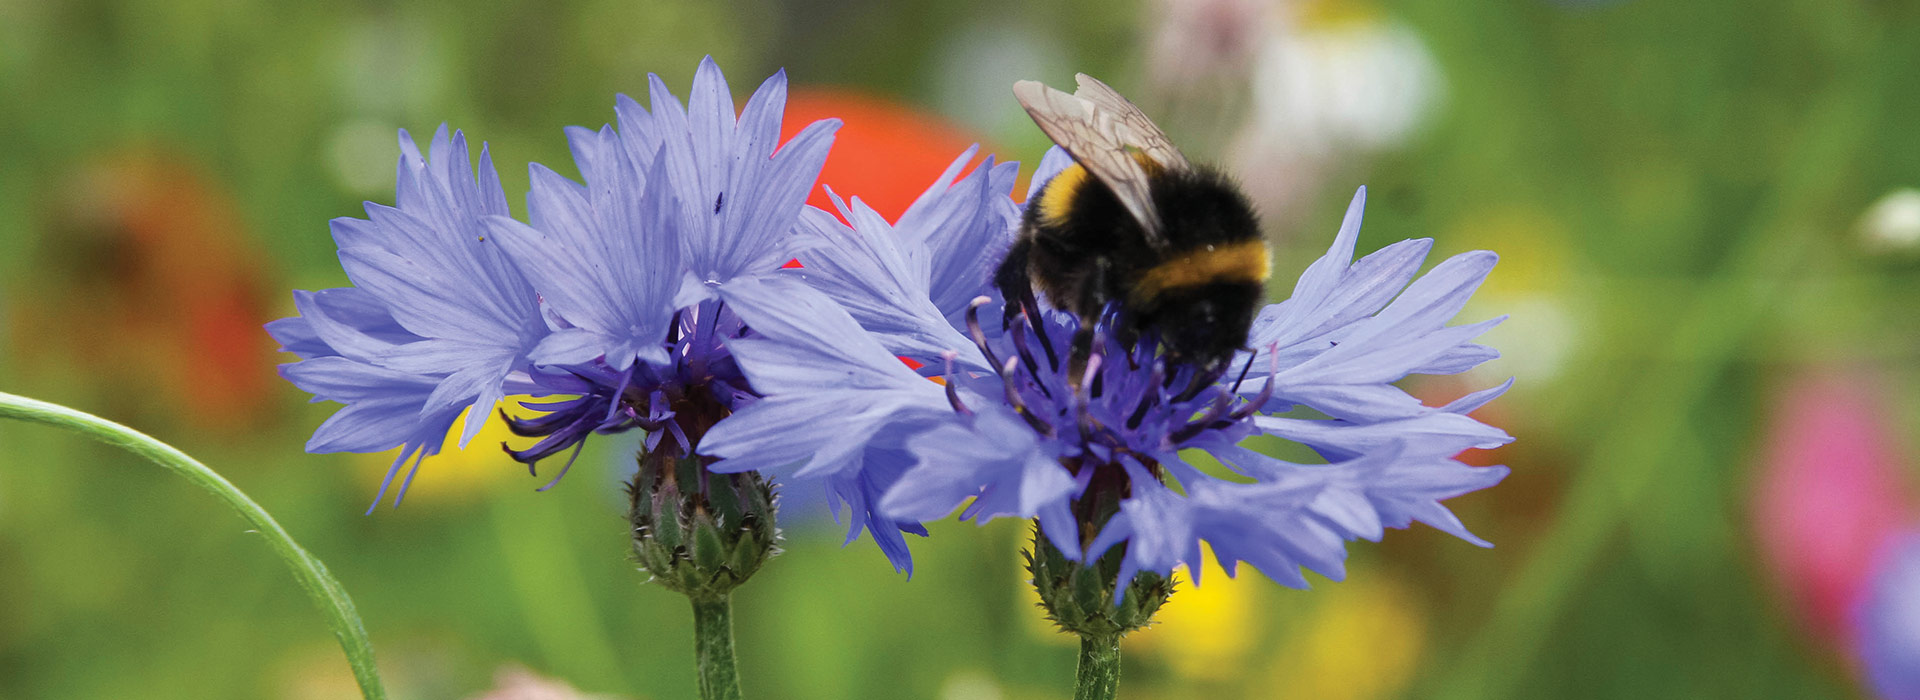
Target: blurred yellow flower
x: 1202, y: 632
x: 1205, y: 631
x: 457, y: 475
x: 1334, y: 13
x: 312, y: 672
x: 1534, y: 239
x: 1362, y: 641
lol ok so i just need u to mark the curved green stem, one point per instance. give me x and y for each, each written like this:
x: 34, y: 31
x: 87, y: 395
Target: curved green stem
x: 312, y: 575
x: 1099, y: 674
x: 713, y: 648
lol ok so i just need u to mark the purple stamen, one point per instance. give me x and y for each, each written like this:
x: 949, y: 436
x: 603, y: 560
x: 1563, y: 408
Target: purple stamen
x: 1013, y: 398
x: 953, y: 393
x: 555, y: 441
x: 620, y: 389
x: 980, y: 336
x: 1150, y: 397
x: 1197, y: 382
x: 542, y: 425
x: 1020, y: 345
x: 1214, y: 411
x: 1266, y: 392
x: 1031, y: 309
x: 1081, y: 415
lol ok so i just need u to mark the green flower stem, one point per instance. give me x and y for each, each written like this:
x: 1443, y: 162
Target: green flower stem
x: 312, y: 575
x: 713, y: 648
x: 1099, y: 674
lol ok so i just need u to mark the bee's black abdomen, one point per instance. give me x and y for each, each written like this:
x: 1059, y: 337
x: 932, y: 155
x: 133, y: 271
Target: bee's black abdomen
x: 1203, y: 207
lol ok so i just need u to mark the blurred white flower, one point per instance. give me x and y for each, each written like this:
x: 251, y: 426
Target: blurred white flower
x: 977, y: 67
x: 1892, y: 224
x: 1365, y: 85
x: 970, y: 685
x: 1322, y: 91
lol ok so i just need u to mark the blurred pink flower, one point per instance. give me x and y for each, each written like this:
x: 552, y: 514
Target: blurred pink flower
x: 1196, y: 43
x: 1829, y: 494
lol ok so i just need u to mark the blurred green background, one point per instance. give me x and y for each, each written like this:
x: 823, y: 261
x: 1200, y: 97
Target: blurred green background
x: 1707, y: 245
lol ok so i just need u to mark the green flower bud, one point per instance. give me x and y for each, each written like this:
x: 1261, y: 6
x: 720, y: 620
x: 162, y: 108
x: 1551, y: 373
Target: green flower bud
x: 697, y: 532
x: 1078, y: 596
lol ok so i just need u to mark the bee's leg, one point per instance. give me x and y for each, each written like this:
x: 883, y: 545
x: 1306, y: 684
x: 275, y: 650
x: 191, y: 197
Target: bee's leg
x: 1014, y: 279
x: 1127, y: 334
x: 1082, y: 349
x: 1198, y: 379
x: 1097, y: 281
x: 1014, y: 282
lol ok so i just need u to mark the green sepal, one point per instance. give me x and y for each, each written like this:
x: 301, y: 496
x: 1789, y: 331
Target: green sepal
x: 699, y: 533
x: 707, y: 548
x: 1079, y: 596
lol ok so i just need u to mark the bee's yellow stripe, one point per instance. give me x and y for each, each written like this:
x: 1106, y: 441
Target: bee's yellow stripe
x: 1245, y: 261
x: 1057, y: 196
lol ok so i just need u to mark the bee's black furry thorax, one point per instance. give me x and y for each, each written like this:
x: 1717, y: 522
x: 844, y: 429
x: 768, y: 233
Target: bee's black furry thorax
x: 1200, y: 291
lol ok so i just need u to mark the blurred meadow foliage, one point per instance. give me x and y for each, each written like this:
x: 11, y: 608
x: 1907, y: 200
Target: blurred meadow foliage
x: 1679, y: 190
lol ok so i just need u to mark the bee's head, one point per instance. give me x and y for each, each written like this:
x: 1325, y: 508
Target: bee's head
x: 1202, y: 324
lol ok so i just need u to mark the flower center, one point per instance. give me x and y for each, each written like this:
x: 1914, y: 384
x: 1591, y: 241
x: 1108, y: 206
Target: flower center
x: 1105, y: 398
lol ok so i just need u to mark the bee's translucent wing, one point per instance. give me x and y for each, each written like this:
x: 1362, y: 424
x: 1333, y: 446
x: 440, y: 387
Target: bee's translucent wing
x: 1097, y: 140
x: 1138, y: 131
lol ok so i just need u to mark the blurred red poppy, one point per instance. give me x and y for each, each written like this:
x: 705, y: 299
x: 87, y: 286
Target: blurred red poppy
x: 152, y: 290
x: 886, y: 153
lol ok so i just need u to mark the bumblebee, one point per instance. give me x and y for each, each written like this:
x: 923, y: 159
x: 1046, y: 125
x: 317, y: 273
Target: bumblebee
x: 1176, y: 245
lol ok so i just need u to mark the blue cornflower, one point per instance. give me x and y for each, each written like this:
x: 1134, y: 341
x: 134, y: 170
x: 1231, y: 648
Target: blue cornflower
x: 438, y: 320
x: 638, y: 266
x: 1019, y: 430
x: 612, y: 300
x: 916, y: 287
x: 632, y: 266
